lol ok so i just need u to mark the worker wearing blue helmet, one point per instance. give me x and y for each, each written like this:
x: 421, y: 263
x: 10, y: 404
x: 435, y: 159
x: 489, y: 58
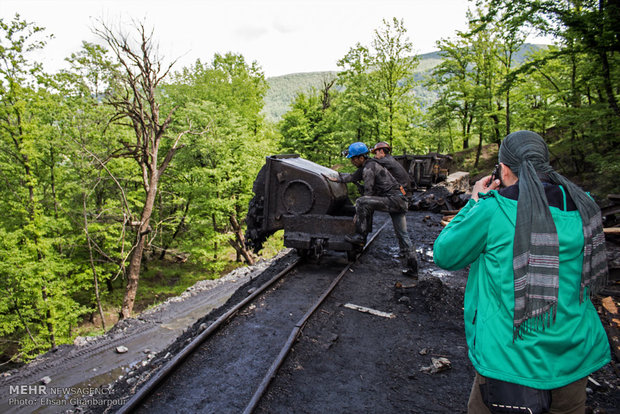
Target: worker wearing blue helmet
x: 381, y: 192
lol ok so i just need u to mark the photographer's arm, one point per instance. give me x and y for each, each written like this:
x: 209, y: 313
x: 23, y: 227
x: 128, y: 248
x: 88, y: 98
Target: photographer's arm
x: 484, y: 185
x: 465, y: 237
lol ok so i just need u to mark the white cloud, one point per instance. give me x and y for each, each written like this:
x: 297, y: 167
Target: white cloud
x: 283, y: 36
x: 250, y: 33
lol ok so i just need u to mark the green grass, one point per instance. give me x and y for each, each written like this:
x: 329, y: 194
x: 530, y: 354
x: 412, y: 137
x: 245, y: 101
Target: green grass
x: 160, y: 280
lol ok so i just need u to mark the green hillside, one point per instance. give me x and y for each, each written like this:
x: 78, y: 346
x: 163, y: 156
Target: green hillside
x: 283, y: 89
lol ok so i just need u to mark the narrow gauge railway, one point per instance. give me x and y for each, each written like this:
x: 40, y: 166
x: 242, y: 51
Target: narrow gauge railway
x: 269, y: 320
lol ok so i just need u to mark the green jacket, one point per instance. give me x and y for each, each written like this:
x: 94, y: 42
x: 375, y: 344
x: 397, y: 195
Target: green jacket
x: 570, y: 349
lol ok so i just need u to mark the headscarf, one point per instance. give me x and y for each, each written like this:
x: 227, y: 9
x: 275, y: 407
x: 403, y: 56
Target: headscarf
x: 536, y: 248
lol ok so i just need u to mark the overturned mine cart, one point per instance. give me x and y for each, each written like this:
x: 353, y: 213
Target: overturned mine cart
x: 425, y: 170
x: 293, y: 194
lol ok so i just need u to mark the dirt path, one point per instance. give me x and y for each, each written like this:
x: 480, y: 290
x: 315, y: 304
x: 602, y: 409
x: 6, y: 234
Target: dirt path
x: 349, y: 361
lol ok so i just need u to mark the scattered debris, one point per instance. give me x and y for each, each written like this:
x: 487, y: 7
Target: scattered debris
x: 437, y: 199
x: 399, y: 285
x: 437, y: 365
x: 593, y: 381
x: 609, y: 314
x: 121, y: 349
x: 457, y: 181
x: 330, y: 341
x: 369, y: 310
x: 45, y: 380
x: 608, y: 303
x: 83, y: 340
x: 447, y: 219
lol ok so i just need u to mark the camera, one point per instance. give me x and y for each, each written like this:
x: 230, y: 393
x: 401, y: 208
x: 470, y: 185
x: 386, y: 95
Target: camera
x: 496, y: 175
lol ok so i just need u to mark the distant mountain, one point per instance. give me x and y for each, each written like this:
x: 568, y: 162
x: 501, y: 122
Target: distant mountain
x: 283, y: 89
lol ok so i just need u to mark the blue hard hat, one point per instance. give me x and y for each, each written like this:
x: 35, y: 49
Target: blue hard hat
x: 357, y: 148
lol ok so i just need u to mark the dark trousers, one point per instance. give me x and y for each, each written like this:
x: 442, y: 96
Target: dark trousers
x: 570, y: 399
x: 396, y: 206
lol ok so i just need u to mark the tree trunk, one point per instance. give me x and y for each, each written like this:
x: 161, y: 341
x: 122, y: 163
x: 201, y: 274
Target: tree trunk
x: 507, y: 112
x: 215, y: 230
x: 239, y: 242
x: 23, y: 321
x: 479, y: 151
x: 92, y: 266
x: 48, y: 317
x: 135, y: 262
x: 611, y: 97
x: 176, y: 231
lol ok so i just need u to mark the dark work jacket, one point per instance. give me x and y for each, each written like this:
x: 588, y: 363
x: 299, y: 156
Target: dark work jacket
x: 377, y: 180
x: 397, y: 170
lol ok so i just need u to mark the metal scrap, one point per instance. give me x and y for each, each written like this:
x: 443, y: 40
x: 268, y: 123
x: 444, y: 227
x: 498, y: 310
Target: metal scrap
x: 437, y: 365
x: 369, y: 310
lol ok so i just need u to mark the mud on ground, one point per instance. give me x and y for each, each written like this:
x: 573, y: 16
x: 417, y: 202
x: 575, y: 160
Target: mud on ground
x: 347, y: 361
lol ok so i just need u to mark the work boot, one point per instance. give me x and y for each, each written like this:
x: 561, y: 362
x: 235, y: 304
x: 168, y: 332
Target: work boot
x: 356, y: 239
x: 412, y: 264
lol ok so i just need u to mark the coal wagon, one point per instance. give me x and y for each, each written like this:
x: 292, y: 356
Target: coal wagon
x: 425, y: 170
x: 293, y: 194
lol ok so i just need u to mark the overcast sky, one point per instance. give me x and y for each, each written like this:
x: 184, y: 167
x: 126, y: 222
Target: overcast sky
x: 283, y: 36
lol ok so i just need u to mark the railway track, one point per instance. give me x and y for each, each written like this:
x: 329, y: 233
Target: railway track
x: 269, y: 321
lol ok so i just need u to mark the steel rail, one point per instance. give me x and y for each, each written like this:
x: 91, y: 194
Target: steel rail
x: 178, y: 359
x: 275, y: 366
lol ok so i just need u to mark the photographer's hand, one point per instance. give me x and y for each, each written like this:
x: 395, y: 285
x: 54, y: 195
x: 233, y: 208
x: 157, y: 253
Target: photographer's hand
x: 484, y: 185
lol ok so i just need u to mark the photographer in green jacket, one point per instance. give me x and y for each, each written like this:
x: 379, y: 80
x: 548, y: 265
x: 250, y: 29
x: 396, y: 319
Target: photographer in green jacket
x: 537, y: 253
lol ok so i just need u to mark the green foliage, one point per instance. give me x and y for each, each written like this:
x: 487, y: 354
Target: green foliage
x: 68, y: 197
x: 377, y: 103
x: 490, y: 84
x: 213, y: 175
x: 307, y: 129
x: 68, y: 187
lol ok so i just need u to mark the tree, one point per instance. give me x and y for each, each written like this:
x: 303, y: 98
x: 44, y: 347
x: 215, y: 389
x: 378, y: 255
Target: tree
x: 592, y: 24
x: 357, y: 106
x: 137, y: 106
x: 393, y: 67
x: 82, y: 125
x: 377, y: 101
x: 308, y: 128
x: 582, y: 73
x: 224, y: 99
x: 453, y: 78
x: 36, y: 271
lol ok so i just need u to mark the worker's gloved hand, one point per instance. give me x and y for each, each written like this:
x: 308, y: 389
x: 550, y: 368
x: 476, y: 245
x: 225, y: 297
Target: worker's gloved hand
x: 330, y: 178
